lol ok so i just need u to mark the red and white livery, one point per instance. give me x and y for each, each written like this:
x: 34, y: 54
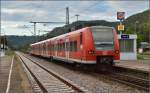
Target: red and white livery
x: 89, y: 45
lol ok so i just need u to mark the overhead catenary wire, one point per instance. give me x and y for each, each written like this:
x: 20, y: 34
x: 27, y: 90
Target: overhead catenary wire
x: 85, y: 10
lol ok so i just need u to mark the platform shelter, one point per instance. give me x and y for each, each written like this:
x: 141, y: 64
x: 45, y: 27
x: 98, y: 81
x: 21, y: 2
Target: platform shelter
x: 128, y: 46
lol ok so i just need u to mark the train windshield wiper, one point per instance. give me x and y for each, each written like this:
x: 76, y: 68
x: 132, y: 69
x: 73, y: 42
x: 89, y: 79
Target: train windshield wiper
x: 104, y: 43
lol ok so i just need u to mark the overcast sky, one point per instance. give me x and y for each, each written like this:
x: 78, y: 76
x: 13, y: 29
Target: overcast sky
x: 16, y: 14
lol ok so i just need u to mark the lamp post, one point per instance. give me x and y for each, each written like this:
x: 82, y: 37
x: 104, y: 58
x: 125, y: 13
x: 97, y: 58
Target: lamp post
x: 136, y: 22
x: 77, y: 16
x: 76, y: 25
x: 0, y: 46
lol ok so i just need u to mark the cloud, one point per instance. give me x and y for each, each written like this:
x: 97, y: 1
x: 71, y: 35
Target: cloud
x: 129, y: 7
x: 24, y: 28
x: 13, y: 25
x: 15, y: 14
x: 16, y: 11
x: 22, y: 14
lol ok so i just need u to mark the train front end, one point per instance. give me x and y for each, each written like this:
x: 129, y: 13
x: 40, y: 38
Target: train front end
x: 105, y: 45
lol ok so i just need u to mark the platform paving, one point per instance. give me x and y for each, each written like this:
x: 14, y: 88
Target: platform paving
x: 2, y: 53
x: 143, y: 65
x: 19, y: 82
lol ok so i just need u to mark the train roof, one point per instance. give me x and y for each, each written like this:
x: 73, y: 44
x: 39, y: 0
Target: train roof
x: 73, y: 32
x: 101, y: 27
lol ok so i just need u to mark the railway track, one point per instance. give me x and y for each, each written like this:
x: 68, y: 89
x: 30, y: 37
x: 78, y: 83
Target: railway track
x: 137, y: 82
x: 47, y: 80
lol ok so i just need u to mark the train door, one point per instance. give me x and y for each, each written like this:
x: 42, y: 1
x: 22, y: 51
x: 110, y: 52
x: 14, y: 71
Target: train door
x: 67, y: 46
x: 47, y: 49
x: 56, y: 48
x: 81, y: 46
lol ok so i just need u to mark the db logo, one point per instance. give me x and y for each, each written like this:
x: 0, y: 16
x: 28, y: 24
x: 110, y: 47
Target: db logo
x: 120, y: 15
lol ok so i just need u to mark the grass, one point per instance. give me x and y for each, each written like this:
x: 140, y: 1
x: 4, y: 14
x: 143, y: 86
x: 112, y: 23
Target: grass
x: 143, y: 56
x: 9, y: 52
x: 139, y: 56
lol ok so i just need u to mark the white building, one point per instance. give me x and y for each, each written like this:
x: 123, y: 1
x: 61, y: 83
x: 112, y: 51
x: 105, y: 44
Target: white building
x: 128, y: 47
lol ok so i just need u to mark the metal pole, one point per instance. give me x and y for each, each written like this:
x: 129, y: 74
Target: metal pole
x: 0, y: 45
x: 120, y: 24
x: 35, y: 31
x: 77, y: 16
x: 4, y: 43
x: 38, y: 34
x: 0, y: 49
x: 135, y: 28
x: 136, y: 22
x: 67, y: 15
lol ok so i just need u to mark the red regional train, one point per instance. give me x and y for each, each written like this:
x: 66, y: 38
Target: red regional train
x: 89, y: 45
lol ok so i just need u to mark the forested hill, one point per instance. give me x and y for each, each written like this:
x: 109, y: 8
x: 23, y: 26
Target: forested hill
x: 142, y: 21
x: 142, y: 26
x: 78, y: 25
x: 17, y: 42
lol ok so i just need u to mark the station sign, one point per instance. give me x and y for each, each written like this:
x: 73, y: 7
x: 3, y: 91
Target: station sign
x: 120, y: 15
x: 120, y: 27
x: 125, y: 36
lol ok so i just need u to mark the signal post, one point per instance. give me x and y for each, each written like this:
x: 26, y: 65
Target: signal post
x: 127, y: 42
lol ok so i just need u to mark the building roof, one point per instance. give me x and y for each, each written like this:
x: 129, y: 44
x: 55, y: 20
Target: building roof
x: 145, y: 45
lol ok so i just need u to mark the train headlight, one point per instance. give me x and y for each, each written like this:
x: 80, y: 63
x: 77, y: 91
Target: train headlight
x: 91, y: 52
x: 117, y: 51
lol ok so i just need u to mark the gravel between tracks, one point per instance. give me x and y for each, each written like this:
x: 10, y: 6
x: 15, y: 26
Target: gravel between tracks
x: 93, y: 82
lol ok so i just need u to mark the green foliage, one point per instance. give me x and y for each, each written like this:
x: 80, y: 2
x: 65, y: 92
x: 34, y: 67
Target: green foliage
x: 139, y: 56
x: 24, y: 48
x: 142, y: 27
x: 129, y: 30
x: 9, y: 52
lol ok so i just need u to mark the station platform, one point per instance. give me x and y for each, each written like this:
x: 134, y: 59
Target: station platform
x: 141, y: 65
x: 17, y: 81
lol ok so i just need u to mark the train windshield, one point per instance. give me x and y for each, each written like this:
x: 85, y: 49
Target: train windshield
x: 103, y: 38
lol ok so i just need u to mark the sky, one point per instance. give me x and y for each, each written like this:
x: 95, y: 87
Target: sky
x: 16, y: 15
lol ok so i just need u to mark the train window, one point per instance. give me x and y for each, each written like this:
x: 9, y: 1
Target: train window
x: 44, y: 47
x: 126, y: 45
x: 67, y: 46
x: 103, y: 38
x: 52, y: 48
x: 70, y: 46
x: 73, y: 46
x: 81, y: 38
x: 58, y: 47
x: 63, y: 46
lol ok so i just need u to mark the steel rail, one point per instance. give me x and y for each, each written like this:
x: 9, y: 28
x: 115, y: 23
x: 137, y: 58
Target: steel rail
x: 62, y: 79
